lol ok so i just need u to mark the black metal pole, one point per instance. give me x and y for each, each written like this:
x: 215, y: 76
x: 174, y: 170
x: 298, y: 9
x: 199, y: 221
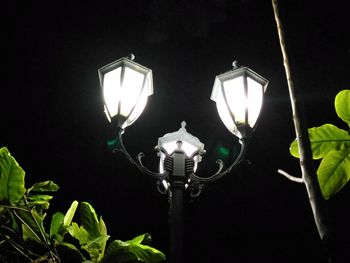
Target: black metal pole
x: 177, y: 184
x: 176, y: 224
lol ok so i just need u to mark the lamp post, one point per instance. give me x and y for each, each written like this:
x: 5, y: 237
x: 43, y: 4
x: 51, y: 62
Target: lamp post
x: 238, y: 94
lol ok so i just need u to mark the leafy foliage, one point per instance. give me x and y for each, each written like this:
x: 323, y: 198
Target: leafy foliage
x: 22, y: 226
x: 11, y: 178
x: 342, y: 106
x: 332, y: 145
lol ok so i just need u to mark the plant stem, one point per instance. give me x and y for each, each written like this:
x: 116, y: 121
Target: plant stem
x: 45, y: 240
x: 306, y: 162
x: 15, y: 208
x: 29, y: 228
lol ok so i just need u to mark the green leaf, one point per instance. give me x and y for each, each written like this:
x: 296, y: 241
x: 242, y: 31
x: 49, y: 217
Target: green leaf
x: 103, y: 232
x: 40, y: 198
x: 88, y: 219
x: 79, y: 233
x: 97, y: 232
x: 96, y: 247
x: 342, y: 105
x: 30, y: 233
x: 133, y: 250
x: 139, y: 239
x: 11, y: 178
x: 334, y: 172
x: 40, y: 205
x: 147, y: 254
x: 324, y: 139
x: 41, y: 201
x: 46, y: 186
x: 103, y: 228
x: 56, y: 223
x: 32, y: 225
x: 117, y: 252
x: 70, y: 213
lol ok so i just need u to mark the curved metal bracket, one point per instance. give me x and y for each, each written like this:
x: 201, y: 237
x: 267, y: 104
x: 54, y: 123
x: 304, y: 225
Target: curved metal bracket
x: 219, y: 174
x: 195, y: 189
x: 138, y: 163
x: 196, y: 183
x: 161, y: 188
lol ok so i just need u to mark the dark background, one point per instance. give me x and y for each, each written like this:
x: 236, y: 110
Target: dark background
x: 53, y: 123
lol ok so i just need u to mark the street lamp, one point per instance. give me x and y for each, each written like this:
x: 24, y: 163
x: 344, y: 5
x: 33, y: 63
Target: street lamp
x: 238, y: 94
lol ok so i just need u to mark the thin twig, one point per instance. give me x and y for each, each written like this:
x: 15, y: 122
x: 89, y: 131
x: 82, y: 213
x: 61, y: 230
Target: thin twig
x: 291, y: 177
x: 8, y: 229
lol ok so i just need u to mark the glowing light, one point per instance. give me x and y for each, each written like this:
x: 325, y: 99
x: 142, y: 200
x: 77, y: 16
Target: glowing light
x: 188, y: 148
x: 254, y: 101
x: 181, y: 140
x: 111, y: 91
x: 126, y: 86
x: 238, y: 95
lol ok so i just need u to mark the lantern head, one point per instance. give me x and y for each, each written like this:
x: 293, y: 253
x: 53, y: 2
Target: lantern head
x: 125, y: 86
x: 238, y: 94
x: 181, y: 141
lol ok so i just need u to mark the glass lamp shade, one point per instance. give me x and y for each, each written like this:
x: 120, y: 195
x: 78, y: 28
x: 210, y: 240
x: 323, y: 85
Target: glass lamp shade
x: 238, y: 94
x: 180, y: 140
x: 126, y: 86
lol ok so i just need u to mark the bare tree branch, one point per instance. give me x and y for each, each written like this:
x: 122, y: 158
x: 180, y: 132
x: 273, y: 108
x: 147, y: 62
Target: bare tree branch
x: 309, y: 176
x: 290, y: 177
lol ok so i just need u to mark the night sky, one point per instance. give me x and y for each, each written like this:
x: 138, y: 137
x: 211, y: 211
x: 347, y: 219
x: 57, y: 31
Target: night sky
x: 53, y: 123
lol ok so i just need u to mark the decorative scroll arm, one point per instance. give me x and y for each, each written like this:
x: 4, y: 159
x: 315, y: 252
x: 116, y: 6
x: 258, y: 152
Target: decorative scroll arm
x: 121, y: 148
x: 219, y: 174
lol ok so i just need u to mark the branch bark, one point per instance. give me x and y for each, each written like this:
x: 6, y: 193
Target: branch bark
x: 291, y: 177
x: 309, y: 176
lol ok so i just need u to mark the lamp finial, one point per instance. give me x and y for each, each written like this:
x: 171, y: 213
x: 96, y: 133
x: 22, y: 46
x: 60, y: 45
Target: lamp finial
x: 235, y: 64
x: 131, y: 56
